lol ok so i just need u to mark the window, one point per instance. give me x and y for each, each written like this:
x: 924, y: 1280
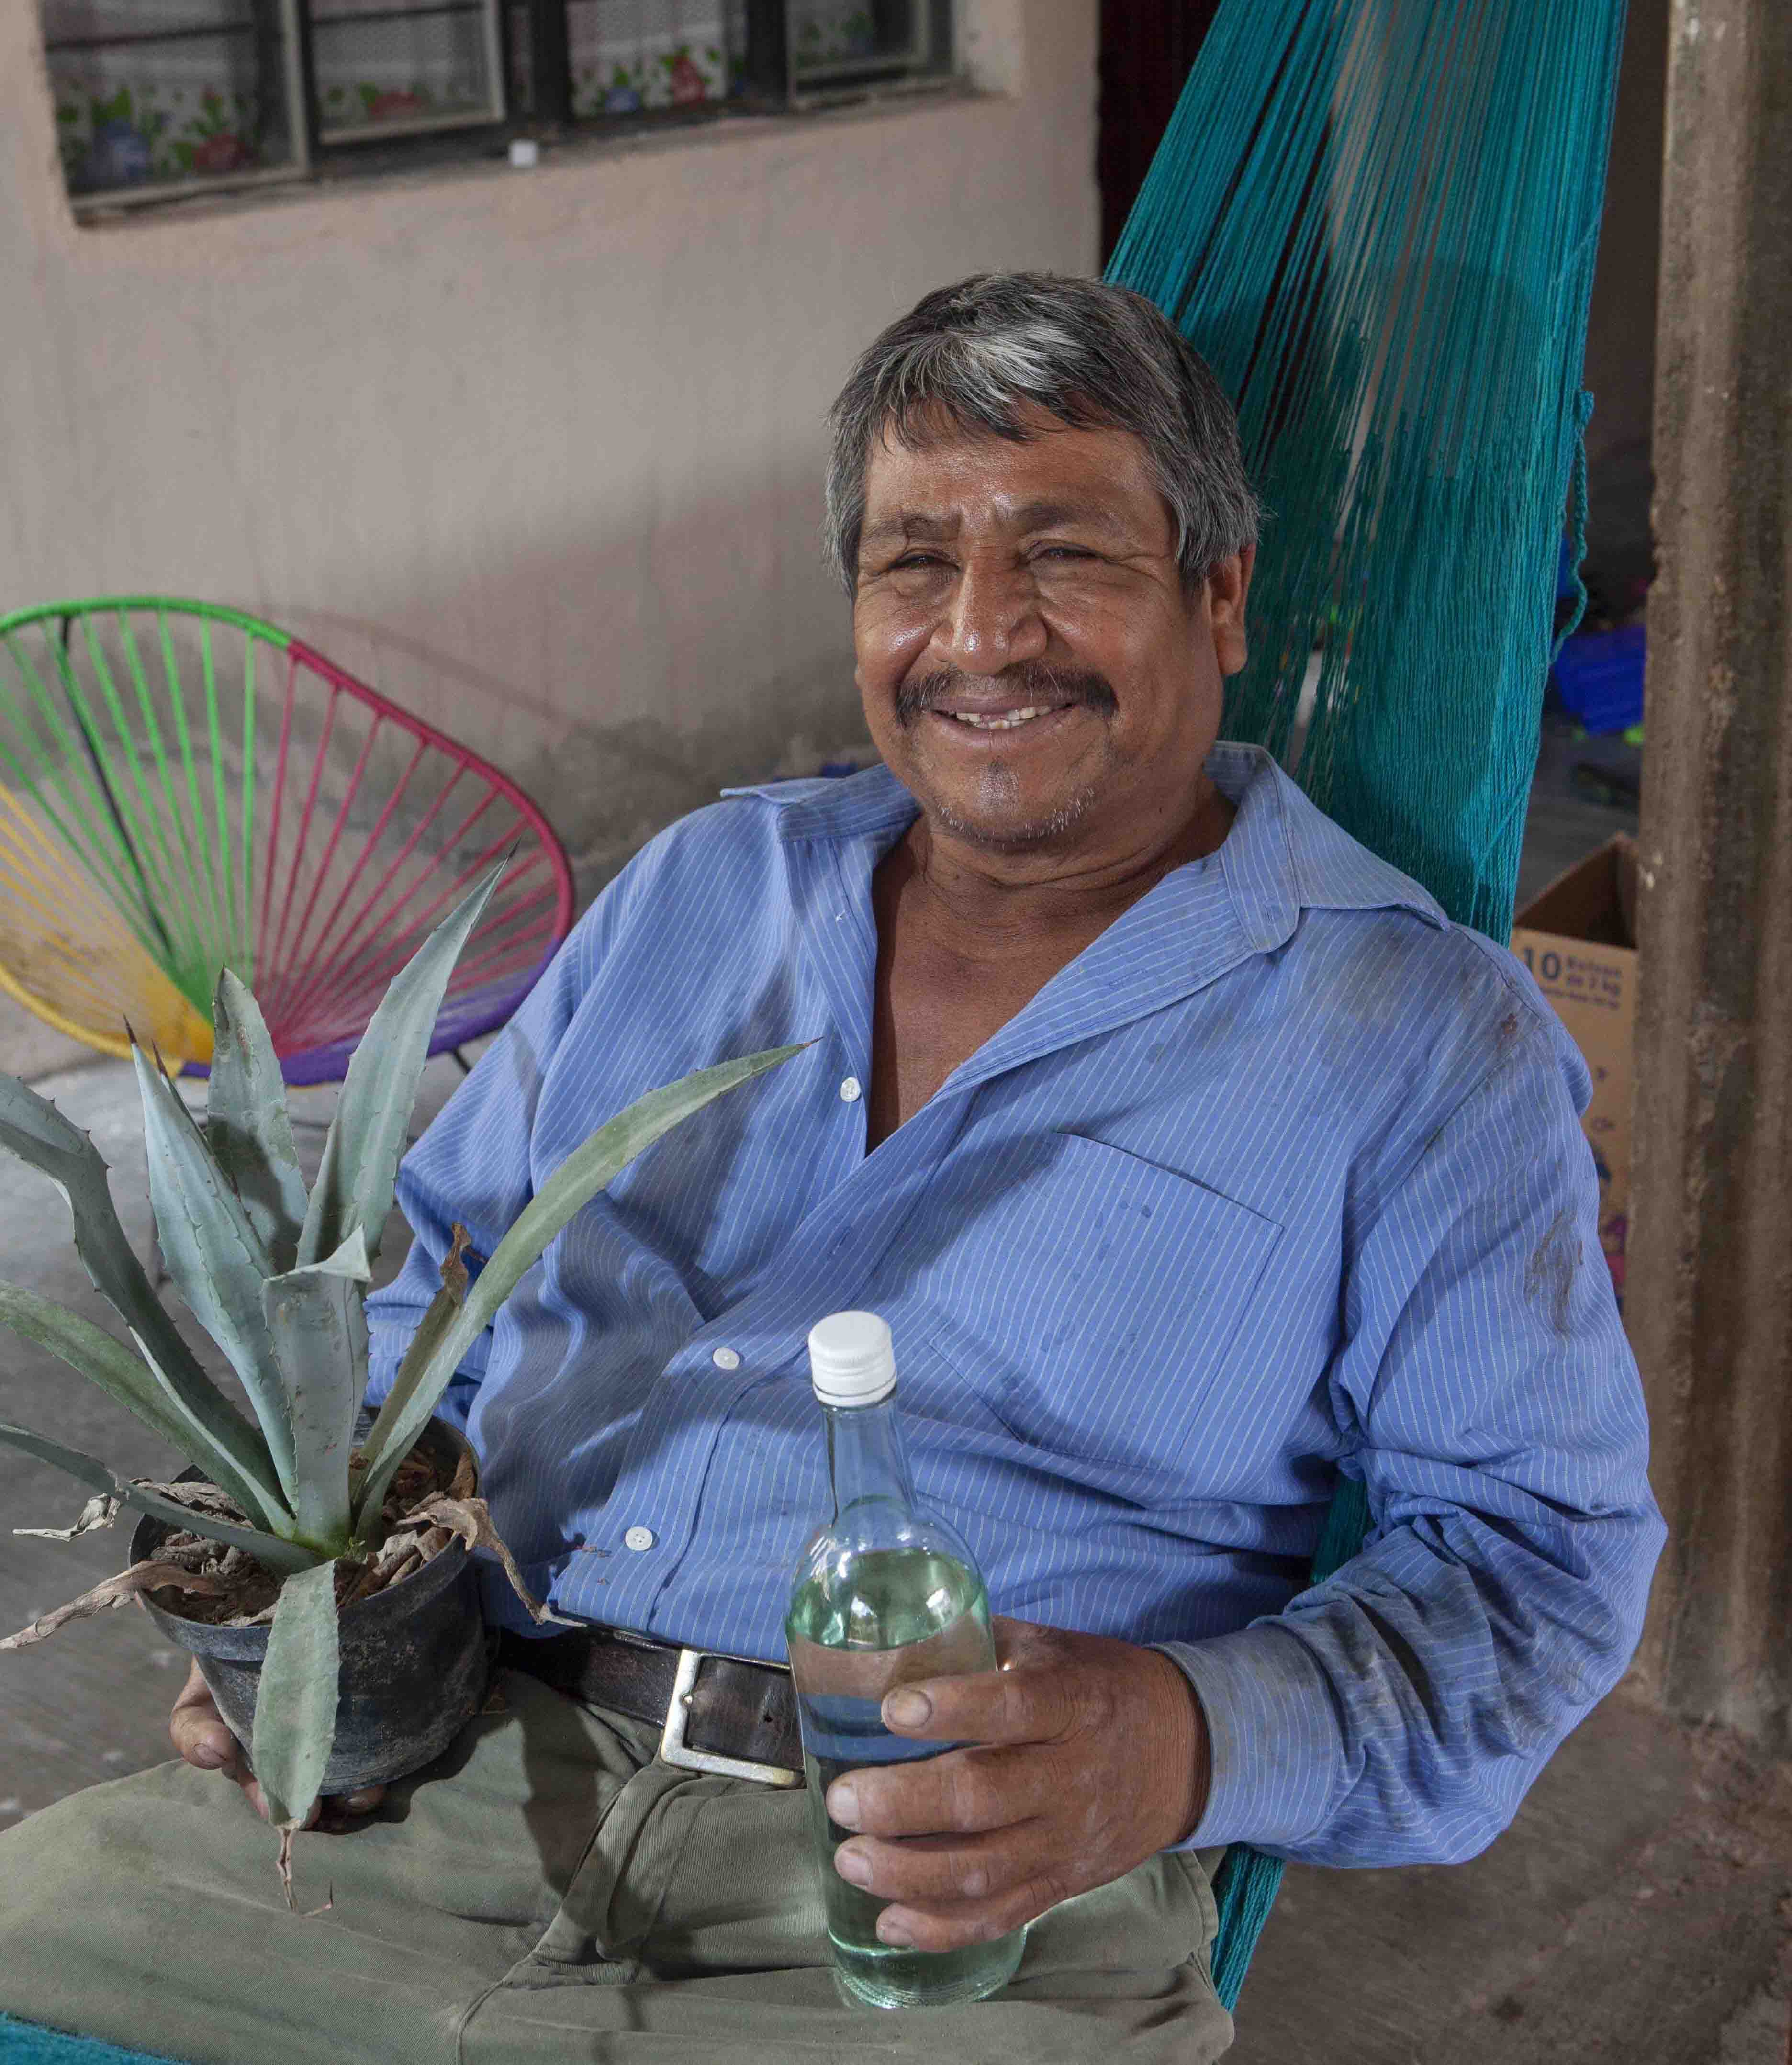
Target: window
x: 838, y: 48
x: 156, y: 98
x: 156, y: 94
x: 380, y: 69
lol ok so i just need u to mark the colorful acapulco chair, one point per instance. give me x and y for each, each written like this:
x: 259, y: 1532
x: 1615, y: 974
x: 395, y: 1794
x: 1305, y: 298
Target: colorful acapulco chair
x: 184, y: 788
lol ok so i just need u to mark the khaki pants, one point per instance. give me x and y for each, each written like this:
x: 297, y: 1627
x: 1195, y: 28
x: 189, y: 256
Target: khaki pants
x: 547, y: 1890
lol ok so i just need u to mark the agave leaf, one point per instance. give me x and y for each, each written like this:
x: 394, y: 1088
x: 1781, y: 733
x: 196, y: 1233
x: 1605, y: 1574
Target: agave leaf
x: 135, y: 1384
x: 590, y: 1166
x: 295, y: 1703
x: 32, y: 1129
x: 319, y: 1332
x: 216, y: 1257
x: 246, y: 1123
x: 268, y: 1549
x: 367, y: 1136
x: 275, y: 1514
x: 430, y: 1328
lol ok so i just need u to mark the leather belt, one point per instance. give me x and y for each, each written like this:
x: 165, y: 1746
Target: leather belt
x: 729, y: 1715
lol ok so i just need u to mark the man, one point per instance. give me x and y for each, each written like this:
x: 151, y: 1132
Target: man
x: 1194, y: 1158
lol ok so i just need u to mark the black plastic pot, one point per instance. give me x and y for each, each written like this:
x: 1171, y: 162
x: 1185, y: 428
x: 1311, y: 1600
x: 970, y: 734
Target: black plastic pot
x: 413, y: 1668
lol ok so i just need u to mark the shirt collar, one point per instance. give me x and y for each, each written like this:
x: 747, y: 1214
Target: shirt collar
x: 1282, y: 856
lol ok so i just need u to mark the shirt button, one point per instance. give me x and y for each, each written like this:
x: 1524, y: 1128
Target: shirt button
x: 725, y: 1359
x: 849, y: 1092
x: 639, y: 1537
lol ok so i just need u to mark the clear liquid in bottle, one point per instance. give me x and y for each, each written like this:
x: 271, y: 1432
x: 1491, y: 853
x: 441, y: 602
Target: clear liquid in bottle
x: 885, y: 1595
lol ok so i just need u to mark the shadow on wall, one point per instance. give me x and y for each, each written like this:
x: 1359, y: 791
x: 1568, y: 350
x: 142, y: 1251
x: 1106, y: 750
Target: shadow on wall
x: 623, y: 680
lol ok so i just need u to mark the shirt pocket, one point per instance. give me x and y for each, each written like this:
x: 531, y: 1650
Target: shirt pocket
x: 1090, y: 1301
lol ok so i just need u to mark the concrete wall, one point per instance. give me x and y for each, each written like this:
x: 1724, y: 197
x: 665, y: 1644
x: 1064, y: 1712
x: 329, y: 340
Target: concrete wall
x: 1621, y: 327
x: 538, y: 453
x: 1709, y: 1306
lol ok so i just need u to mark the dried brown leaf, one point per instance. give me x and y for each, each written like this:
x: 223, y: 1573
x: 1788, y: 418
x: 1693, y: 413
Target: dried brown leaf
x: 468, y: 1518
x: 115, y: 1591
x: 366, y: 1580
x: 454, y: 1277
x: 99, y: 1511
x: 288, y: 1831
x: 199, y: 1497
x: 243, y: 1592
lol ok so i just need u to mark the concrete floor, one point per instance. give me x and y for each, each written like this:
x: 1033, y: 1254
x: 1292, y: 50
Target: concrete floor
x: 1578, y: 800
x: 1640, y: 1908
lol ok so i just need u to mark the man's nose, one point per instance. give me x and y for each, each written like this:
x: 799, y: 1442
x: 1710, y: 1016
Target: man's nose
x: 992, y: 621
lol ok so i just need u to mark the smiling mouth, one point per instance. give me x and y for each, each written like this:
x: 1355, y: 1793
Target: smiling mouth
x: 1002, y: 720
x: 1036, y: 696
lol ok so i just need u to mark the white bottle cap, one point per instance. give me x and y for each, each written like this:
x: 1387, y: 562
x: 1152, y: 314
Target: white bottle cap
x: 852, y: 1360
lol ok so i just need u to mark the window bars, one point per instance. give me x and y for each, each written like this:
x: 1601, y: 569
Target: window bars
x: 160, y: 98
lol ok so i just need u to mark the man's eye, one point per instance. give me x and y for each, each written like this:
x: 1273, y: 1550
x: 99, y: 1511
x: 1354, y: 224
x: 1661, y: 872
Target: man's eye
x: 913, y: 559
x: 1062, y: 553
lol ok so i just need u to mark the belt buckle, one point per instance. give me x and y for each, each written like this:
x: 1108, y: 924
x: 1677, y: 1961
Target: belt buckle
x: 674, y: 1749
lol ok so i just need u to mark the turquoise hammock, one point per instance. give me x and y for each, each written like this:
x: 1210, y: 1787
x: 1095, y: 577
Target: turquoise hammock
x: 1377, y: 220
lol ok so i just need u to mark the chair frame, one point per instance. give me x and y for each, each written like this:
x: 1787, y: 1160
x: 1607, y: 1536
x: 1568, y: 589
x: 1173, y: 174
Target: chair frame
x: 325, y: 1063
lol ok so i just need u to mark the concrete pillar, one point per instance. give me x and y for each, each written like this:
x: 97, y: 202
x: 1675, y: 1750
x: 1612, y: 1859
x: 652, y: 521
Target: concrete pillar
x: 1709, y: 1297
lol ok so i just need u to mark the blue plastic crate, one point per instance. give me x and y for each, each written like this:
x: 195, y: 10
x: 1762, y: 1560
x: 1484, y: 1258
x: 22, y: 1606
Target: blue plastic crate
x: 1598, y: 675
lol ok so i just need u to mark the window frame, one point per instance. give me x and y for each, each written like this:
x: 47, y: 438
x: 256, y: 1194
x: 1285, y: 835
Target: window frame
x: 772, y: 84
x: 300, y: 165
x: 320, y: 138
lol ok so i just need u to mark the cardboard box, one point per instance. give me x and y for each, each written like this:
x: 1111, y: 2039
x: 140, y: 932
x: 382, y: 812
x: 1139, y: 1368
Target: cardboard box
x: 1578, y: 937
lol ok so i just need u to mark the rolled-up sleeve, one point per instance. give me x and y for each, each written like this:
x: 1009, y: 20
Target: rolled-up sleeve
x: 1397, y: 1712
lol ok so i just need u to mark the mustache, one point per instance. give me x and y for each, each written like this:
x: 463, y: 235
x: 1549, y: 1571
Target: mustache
x: 1038, y: 682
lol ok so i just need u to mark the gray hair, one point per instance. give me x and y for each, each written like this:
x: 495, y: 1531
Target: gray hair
x: 1093, y: 355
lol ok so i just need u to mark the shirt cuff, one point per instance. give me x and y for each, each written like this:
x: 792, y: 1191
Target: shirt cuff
x: 1273, y: 1733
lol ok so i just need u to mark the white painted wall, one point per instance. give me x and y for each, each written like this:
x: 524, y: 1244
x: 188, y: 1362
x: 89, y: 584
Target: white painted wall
x: 537, y: 454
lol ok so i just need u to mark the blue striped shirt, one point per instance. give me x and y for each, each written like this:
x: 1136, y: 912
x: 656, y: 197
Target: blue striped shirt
x: 1280, y: 1176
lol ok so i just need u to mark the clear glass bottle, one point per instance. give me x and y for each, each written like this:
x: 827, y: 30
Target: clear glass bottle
x: 886, y: 1594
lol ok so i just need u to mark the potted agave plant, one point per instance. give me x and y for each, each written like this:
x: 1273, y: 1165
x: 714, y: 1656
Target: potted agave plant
x: 323, y: 1580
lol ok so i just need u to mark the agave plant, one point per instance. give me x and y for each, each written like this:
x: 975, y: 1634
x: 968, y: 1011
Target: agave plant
x: 278, y: 1276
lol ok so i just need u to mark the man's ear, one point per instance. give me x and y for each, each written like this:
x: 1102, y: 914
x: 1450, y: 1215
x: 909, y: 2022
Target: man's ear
x: 1228, y: 584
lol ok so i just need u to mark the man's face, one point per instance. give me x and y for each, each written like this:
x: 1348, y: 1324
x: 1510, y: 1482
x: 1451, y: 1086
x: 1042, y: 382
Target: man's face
x: 1033, y: 670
